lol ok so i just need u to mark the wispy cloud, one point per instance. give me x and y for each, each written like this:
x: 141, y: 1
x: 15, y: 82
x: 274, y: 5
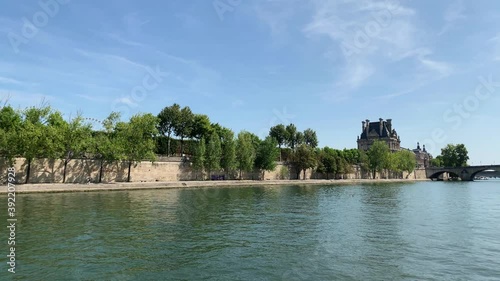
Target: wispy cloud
x: 124, y: 41
x: 93, y: 98
x: 110, y: 57
x: 453, y: 13
x: 442, y: 69
x: 6, y: 80
x: 344, y: 23
x: 134, y: 23
x: 126, y: 101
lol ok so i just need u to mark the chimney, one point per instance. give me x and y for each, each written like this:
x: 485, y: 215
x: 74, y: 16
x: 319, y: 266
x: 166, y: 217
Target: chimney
x: 367, y: 127
x: 363, y: 126
x: 381, y: 125
x: 389, y: 125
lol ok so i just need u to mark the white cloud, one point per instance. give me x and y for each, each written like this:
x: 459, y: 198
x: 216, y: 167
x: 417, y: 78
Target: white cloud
x: 103, y: 57
x: 441, y: 68
x: 6, y: 80
x: 366, y: 35
x: 93, y: 98
x: 355, y: 74
x: 453, y: 13
x: 124, y: 41
x: 126, y: 100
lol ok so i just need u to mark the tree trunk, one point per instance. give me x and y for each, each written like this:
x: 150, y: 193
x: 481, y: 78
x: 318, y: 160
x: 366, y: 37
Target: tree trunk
x: 304, y: 174
x: 279, y: 146
x: 374, y: 172
x: 168, y: 145
x: 64, y: 170
x: 182, y: 146
x: 129, y: 167
x: 28, y: 170
x: 100, y: 172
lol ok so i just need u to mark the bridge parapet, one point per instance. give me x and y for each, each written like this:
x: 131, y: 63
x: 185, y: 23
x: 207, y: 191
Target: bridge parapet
x: 464, y: 173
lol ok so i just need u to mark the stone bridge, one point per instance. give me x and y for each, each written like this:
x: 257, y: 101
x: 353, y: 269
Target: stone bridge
x: 464, y: 173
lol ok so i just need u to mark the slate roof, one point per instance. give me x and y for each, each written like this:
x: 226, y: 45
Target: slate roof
x: 375, y: 127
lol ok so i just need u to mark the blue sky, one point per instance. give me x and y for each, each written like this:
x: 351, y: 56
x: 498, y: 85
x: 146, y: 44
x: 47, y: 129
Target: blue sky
x: 431, y: 66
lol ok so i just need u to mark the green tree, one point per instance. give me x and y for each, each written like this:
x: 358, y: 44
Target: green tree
x: 343, y: 165
x: 364, y: 161
x: 406, y: 161
x: 136, y: 139
x: 299, y: 139
x: 70, y: 139
x: 310, y: 138
x: 303, y: 158
x: 33, y: 135
x: 10, y: 126
x: 213, y: 154
x: 183, y: 127
x: 291, y: 136
x: 278, y: 133
x: 266, y: 155
x: 245, y: 152
x: 228, y: 161
x: 352, y: 155
x: 104, y: 145
x: 328, y: 161
x: 168, y: 120
x: 437, y: 162
x: 201, y: 127
x: 198, y: 158
x: 377, y: 155
x: 455, y: 155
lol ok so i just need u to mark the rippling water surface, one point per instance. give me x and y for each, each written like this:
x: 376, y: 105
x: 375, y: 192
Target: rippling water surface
x: 420, y: 231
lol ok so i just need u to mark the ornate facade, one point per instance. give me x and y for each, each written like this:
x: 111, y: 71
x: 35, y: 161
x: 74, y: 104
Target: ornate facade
x: 381, y: 130
x: 423, y: 157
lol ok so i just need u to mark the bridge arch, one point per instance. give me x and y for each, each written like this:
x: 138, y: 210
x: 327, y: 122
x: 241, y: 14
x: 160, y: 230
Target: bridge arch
x: 439, y: 173
x: 473, y: 175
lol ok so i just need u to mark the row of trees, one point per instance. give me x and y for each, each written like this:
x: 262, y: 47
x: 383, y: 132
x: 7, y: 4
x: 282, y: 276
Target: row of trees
x: 336, y: 163
x: 246, y: 153
x: 42, y: 132
x: 379, y: 158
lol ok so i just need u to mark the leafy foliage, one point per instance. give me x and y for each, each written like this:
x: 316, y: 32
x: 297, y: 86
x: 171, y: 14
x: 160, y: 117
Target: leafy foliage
x: 454, y: 155
x: 378, y: 156
x: 245, y: 152
x: 303, y: 158
x: 169, y: 118
x: 198, y: 159
x: 213, y: 154
x: 266, y: 155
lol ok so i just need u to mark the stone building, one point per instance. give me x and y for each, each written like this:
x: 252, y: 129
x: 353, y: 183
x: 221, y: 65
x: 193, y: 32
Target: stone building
x: 423, y: 157
x: 381, y: 130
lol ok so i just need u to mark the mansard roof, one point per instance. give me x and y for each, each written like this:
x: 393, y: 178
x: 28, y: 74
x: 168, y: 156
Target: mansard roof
x: 374, y: 131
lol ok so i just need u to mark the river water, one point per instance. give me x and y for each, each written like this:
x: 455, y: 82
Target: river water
x: 416, y: 231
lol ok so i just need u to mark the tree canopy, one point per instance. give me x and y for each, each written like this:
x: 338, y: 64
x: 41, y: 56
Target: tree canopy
x: 454, y: 155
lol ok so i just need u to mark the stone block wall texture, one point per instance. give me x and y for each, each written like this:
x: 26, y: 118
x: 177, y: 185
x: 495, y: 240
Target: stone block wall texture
x: 80, y: 170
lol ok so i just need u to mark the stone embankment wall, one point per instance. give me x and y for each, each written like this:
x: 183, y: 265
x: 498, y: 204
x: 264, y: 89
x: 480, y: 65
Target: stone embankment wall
x: 168, y: 169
